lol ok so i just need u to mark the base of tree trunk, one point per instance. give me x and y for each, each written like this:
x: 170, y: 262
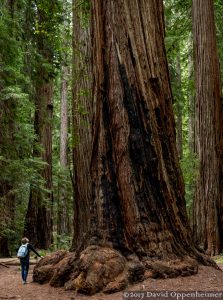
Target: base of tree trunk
x: 105, y: 269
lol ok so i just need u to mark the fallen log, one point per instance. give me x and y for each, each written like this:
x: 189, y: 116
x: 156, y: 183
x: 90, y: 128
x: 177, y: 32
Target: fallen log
x: 16, y: 262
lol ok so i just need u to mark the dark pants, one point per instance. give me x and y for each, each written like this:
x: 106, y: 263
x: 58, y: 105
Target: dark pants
x: 24, y: 269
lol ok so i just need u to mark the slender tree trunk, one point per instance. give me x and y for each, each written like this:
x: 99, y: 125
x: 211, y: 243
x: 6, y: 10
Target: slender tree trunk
x: 82, y: 119
x: 208, y: 129
x: 64, y: 117
x: 191, y: 99
x: 63, y: 213
x: 179, y: 105
x: 38, y: 223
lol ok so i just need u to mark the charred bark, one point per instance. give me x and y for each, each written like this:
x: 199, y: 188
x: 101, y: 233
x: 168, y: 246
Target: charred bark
x: 135, y: 169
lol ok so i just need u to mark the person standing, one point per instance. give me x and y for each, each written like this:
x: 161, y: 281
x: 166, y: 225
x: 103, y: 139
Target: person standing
x: 24, y: 256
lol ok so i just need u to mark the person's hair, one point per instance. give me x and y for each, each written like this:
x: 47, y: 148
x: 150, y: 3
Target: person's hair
x: 25, y: 240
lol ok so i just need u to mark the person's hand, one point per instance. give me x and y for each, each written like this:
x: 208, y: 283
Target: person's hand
x: 41, y: 256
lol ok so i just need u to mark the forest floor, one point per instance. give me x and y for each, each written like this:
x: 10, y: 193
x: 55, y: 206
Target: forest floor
x: 11, y: 287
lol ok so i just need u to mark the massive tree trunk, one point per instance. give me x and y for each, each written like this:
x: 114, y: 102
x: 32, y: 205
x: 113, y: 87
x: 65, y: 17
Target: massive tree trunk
x: 137, y: 183
x: 138, y: 222
x: 38, y: 223
x: 208, y: 131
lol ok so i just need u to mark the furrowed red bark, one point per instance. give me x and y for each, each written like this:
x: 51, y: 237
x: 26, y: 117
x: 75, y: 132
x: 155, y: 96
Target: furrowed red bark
x: 207, y: 219
x: 137, y: 183
x: 82, y: 128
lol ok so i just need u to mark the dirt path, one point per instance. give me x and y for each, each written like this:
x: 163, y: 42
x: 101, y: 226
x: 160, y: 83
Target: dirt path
x: 11, y: 287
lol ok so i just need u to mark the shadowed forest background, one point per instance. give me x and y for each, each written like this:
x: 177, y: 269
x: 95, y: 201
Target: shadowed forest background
x: 108, y: 137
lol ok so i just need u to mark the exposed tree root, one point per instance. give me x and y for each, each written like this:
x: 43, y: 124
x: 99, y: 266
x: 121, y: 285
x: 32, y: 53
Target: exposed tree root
x: 105, y: 269
x: 3, y: 265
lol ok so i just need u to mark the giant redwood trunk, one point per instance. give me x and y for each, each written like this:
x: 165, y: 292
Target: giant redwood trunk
x: 138, y: 193
x: 138, y: 222
x: 38, y: 222
x: 207, y: 219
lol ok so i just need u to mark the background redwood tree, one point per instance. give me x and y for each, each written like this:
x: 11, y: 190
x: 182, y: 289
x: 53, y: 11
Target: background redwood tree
x: 82, y: 106
x: 207, y: 213
x: 64, y: 223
